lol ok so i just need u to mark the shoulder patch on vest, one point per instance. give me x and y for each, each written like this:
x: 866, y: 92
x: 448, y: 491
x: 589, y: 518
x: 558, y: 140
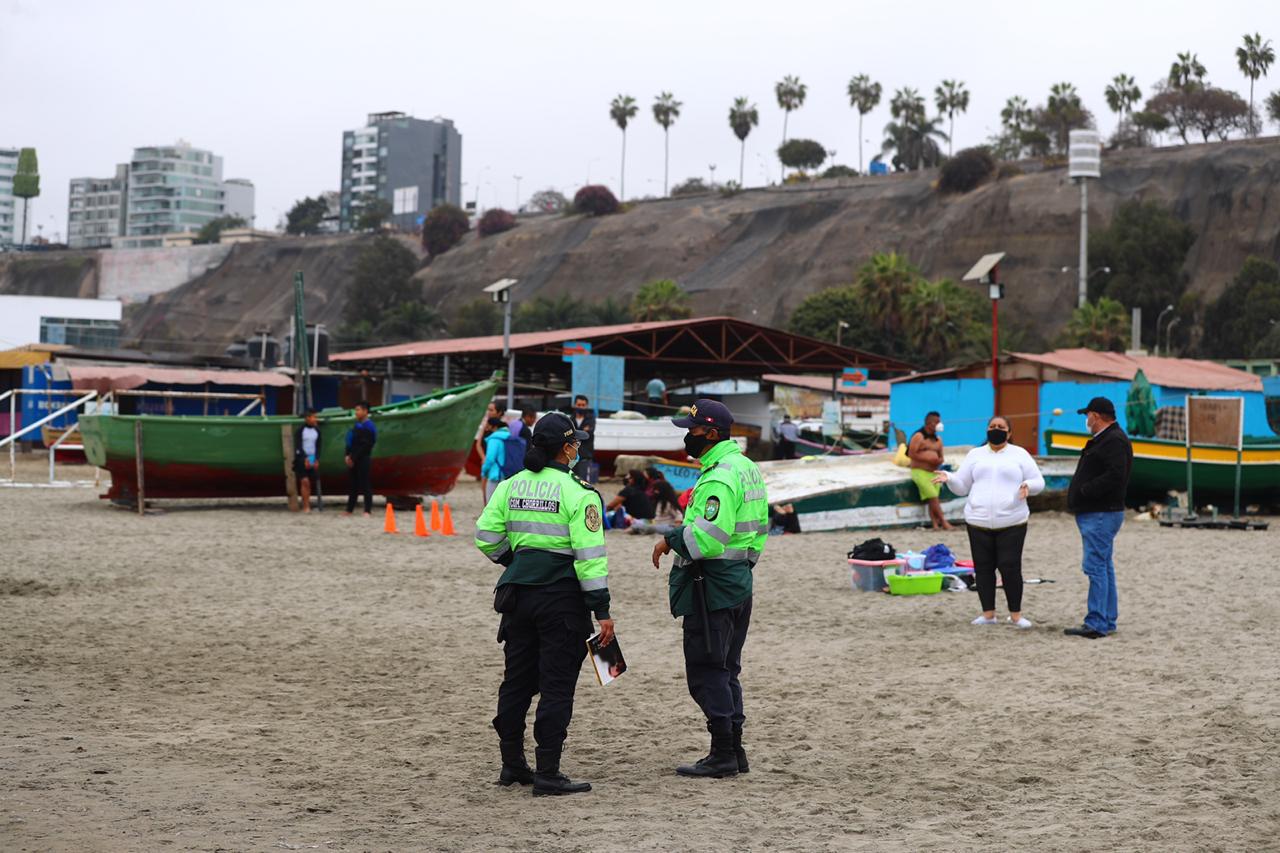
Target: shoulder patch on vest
x: 712, y: 508
x: 582, y: 482
x: 592, y: 516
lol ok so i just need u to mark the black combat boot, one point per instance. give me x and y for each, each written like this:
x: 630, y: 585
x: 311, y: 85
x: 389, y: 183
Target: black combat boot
x: 515, y: 768
x: 722, y: 761
x: 548, y: 781
x: 741, y: 753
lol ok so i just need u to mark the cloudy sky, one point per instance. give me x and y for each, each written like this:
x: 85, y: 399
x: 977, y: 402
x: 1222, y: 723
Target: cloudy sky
x: 270, y: 85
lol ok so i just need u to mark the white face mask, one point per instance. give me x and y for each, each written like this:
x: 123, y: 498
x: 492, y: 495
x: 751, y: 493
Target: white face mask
x: 938, y: 428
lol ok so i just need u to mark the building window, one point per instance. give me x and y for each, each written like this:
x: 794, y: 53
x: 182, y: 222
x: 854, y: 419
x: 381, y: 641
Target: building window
x: 404, y: 200
x: 91, y: 334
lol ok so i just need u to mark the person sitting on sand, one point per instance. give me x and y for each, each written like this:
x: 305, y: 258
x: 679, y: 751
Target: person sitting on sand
x: 997, y: 477
x: 926, y: 454
x: 631, y: 504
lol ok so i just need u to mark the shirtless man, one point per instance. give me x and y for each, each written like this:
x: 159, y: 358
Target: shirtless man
x: 925, y: 451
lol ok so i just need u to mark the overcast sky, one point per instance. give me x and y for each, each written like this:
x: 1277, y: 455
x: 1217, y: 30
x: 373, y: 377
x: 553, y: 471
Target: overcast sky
x: 270, y: 85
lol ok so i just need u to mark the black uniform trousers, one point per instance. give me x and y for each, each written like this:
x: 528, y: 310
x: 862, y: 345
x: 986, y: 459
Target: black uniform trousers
x: 545, y: 636
x: 360, y: 483
x: 998, y: 549
x: 713, y: 678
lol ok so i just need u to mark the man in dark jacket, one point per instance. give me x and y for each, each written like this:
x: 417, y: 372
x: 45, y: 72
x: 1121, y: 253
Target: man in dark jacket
x: 361, y: 438
x: 1096, y: 496
x: 585, y: 420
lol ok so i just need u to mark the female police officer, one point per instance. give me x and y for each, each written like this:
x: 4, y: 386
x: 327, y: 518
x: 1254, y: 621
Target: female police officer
x: 544, y: 525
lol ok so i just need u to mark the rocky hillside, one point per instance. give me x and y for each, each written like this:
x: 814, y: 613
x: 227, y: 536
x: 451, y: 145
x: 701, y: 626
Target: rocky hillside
x: 756, y: 254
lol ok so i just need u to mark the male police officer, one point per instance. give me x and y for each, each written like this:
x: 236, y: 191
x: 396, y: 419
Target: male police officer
x: 544, y: 525
x: 723, y: 535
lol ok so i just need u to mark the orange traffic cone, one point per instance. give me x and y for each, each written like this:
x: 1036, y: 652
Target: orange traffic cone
x: 435, y: 514
x: 447, y: 524
x: 419, y: 522
x: 389, y: 526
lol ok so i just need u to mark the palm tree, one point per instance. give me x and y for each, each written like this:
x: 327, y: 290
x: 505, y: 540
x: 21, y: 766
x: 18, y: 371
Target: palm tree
x: 912, y: 133
x: 864, y: 96
x: 906, y: 102
x: 942, y: 320
x: 884, y: 282
x: 1065, y: 108
x: 622, y: 110
x: 1187, y: 73
x: 790, y: 93
x: 1101, y: 325
x: 666, y: 109
x: 1122, y: 93
x: 1015, y: 115
x: 951, y: 97
x: 1254, y: 58
x: 742, y: 117
x: 663, y: 299
x: 1273, y: 107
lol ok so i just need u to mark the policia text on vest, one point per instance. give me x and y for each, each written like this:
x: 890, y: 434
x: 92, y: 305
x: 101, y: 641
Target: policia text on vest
x: 544, y: 525
x: 716, y: 549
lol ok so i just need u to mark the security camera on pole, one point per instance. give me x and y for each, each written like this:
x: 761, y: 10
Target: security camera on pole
x: 500, y: 292
x: 1084, y: 161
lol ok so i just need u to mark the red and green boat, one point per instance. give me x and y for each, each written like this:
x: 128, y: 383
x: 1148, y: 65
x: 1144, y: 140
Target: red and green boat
x: 422, y: 446
x: 1160, y: 466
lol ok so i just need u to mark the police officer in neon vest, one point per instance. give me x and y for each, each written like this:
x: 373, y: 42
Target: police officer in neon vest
x: 544, y: 525
x: 723, y: 535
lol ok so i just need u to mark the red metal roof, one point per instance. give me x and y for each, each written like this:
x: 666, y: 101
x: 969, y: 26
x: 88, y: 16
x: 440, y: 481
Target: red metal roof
x: 102, y: 378
x: 1168, y: 372
x: 873, y: 388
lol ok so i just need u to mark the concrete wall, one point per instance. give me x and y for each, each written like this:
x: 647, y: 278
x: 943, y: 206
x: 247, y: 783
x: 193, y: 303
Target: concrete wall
x: 132, y: 275
x: 20, y: 315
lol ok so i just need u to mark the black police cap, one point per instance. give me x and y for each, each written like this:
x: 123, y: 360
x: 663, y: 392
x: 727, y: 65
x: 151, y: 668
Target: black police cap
x: 707, y: 413
x: 554, y: 429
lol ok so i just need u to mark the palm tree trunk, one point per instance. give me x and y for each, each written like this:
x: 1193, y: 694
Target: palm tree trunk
x: 742, y: 159
x: 25, y: 202
x: 782, y: 169
x: 622, y: 188
x: 952, y: 134
x: 1252, y: 130
x: 860, y: 142
x: 666, y: 158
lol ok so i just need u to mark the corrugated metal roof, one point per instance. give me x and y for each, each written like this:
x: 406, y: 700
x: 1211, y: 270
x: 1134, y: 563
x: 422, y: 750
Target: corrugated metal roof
x: 873, y: 388
x: 519, y: 340
x: 103, y: 378
x: 1187, y: 373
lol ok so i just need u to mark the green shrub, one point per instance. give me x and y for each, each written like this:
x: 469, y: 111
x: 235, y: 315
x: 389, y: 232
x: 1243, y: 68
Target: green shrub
x: 966, y: 171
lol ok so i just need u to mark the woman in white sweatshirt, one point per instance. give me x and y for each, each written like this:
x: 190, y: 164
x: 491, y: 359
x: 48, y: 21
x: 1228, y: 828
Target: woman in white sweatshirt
x: 997, y: 477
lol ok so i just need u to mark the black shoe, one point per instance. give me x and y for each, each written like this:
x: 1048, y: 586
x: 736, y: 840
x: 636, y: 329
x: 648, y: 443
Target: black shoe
x: 743, y: 766
x: 722, y: 762
x: 1084, y: 631
x: 548, y: 781
x: 515, y: 767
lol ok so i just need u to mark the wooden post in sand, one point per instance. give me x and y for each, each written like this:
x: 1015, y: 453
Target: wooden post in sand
x: 137, y: 456
x: 290, y: 479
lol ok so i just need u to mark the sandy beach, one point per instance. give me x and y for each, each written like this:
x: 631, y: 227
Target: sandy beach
x: 234, y: 677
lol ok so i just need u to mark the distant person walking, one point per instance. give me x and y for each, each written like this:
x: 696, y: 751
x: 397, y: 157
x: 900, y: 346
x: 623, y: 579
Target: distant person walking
x: 788, y: 432
x: 997, y: 477
x: 926, y: 454
x: 361, y: 438
x: 656, y: 391
x: 306, y: 457
x: 584, y: 420
x: 1096, y: 497
x: 495, y: 455
x: 490, y: 412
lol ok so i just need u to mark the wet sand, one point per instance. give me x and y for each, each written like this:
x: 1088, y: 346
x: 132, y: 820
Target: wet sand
x: 235, y: 677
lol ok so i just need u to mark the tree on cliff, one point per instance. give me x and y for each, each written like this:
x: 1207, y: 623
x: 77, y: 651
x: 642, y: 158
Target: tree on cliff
x: 790, y: 93
x: 802, y: 154
x: 951, y: 97
x: 444, y: 226
x: 26, y: 185
x: 544, y: 313
x: 663, y: 299
x: 1101, y: 325
x: 476, y: 319
x: 1145, y: 246
x: 666, y: 109
x: 374, y: 213
x: 548, y: 201
x: 1063, y: 112
x: 306, y: 215
x: 211, y: 231
x: 911, y: 134
x: 1273, y: 107
x: 1254, y: 57
x: 622, y: 110
x: 864, y: 96
x: 1242, y: 322
x: 743, y: 116
x: 383, y: 303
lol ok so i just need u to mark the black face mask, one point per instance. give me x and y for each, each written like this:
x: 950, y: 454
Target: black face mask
x: 694, y: 445
x: 997, y: 436
x: 580, y: 410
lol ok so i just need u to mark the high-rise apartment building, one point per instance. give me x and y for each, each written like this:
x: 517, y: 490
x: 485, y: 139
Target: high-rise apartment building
x: 96, y: 210
x: 173, y: 188
x: 11, y: 209
x: 238, y: 199
x: 411, y: 164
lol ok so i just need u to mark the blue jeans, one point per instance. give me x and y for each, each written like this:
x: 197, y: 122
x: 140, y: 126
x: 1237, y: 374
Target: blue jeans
x: 1098, y: 535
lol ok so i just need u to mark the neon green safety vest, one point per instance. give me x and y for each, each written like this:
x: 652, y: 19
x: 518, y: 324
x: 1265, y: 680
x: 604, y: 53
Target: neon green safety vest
x: 545, y: 527
x: 725, y: 527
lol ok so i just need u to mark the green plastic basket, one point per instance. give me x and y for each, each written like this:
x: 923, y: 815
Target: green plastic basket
x: 918, y: 583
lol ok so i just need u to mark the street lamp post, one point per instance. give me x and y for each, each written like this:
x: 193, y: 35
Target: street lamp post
x: 1168, y: 336
x: 517, y: 177
x: 500, y: 291
x: 1159, y: 319
x: 1084, y: 162
x: 987, y: 271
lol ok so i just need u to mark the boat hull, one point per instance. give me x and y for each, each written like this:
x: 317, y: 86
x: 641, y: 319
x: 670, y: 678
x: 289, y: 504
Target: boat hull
x: 422, y: 447
x: 1160, y: 467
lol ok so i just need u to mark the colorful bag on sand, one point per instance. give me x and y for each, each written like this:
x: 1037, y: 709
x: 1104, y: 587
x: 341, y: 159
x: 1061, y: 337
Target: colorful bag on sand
x: 939, y: 557
x: 873, y: 550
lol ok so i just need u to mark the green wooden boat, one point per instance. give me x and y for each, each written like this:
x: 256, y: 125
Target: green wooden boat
x: 1160, y: 466
x: 422, y: 446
